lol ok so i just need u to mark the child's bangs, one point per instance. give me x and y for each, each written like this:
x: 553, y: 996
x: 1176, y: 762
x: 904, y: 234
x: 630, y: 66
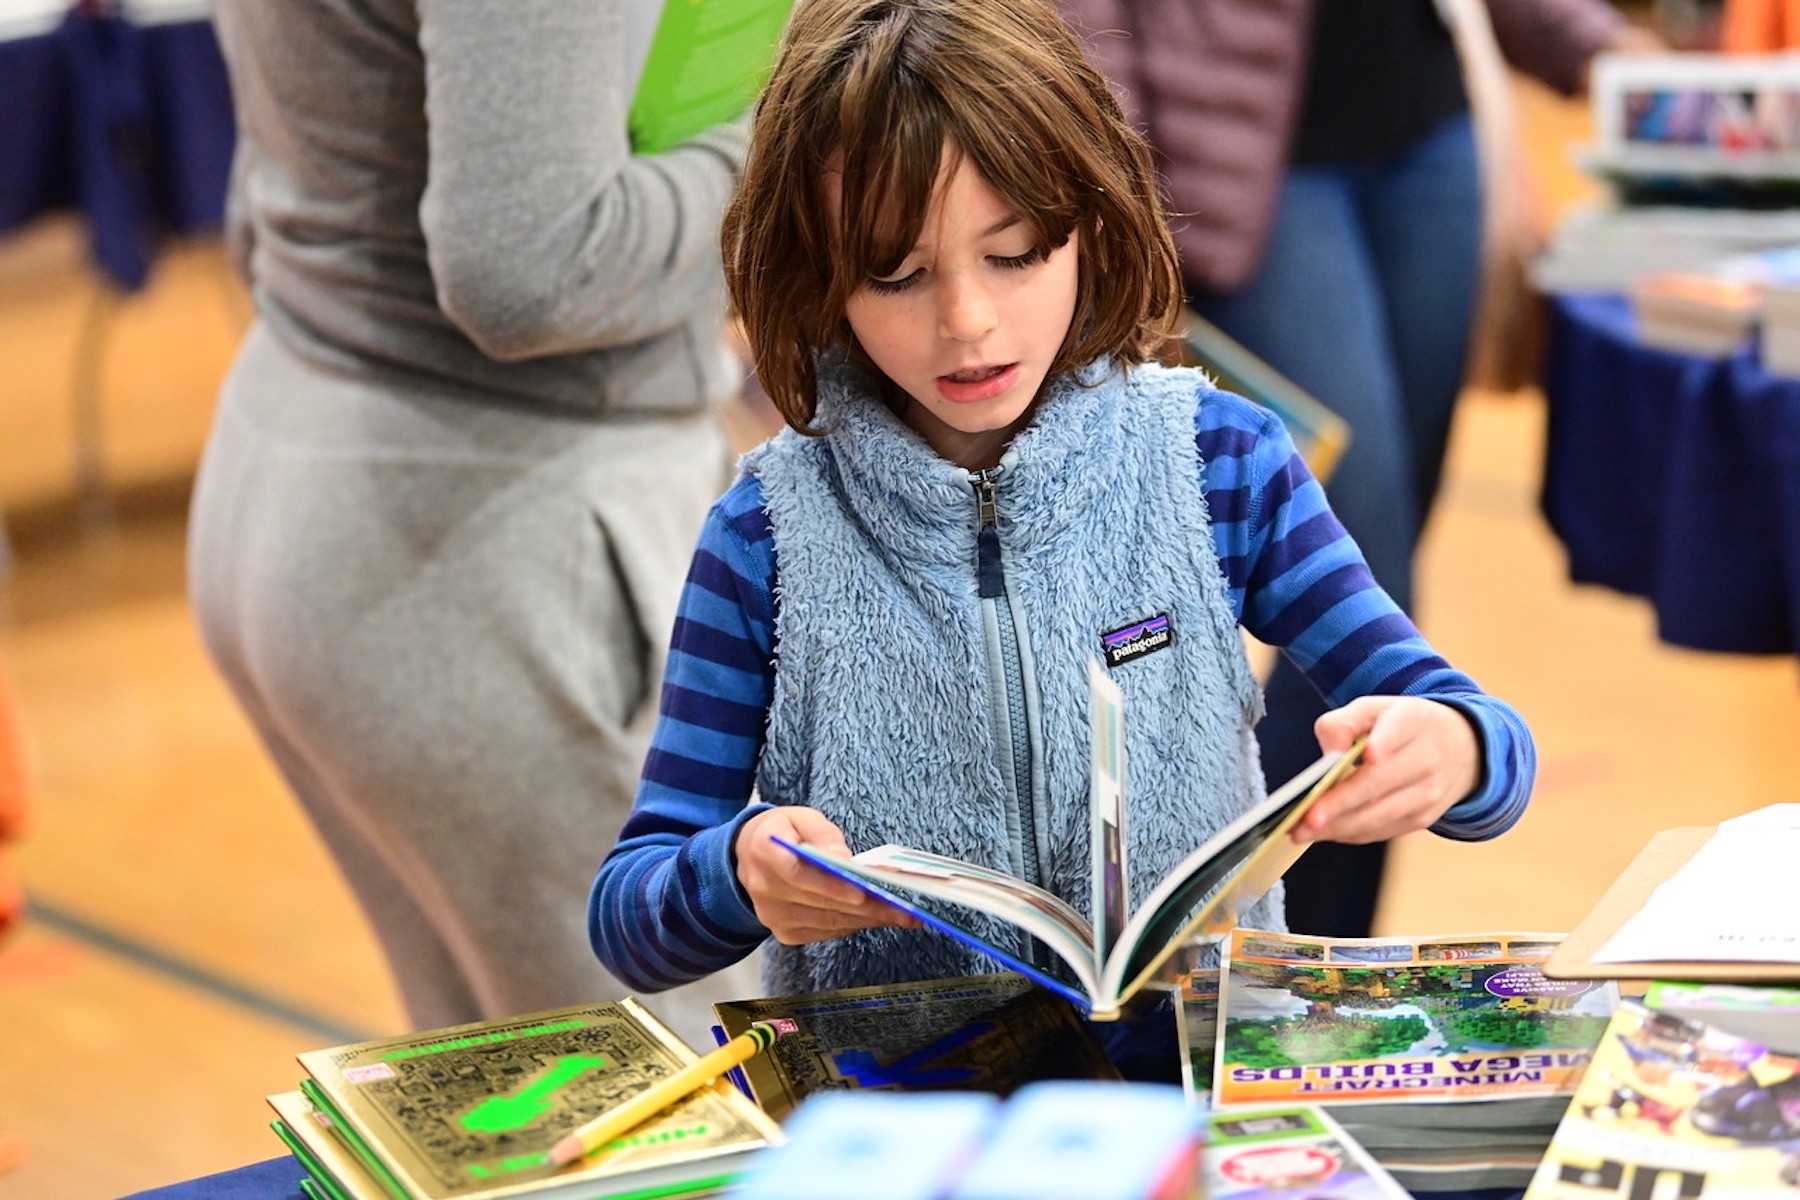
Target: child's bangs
x: 888, y: 174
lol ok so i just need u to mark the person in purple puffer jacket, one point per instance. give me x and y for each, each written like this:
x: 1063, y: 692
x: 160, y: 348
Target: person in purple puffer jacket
x: 1320, y: 161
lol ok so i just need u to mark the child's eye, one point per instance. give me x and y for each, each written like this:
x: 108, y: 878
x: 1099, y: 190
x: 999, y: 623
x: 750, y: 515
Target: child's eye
x: 888, y: 287
x: 1019, y: 262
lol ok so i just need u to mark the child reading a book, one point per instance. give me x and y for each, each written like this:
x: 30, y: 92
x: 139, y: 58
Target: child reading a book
x: 954, y: 273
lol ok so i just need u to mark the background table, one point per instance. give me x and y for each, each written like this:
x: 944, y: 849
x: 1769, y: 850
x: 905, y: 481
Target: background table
x: 1675, y: 478
x: 119, y: 111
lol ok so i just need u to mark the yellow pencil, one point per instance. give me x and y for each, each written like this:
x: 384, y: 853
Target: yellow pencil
x: 646, y: 1104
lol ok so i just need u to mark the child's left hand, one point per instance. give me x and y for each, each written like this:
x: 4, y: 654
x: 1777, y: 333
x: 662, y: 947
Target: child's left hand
x: 1422, y: 758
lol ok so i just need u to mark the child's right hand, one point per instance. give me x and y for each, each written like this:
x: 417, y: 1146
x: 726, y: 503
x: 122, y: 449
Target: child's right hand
x: 798, y: 902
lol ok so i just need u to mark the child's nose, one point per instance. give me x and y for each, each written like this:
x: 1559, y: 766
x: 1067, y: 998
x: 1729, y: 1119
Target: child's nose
x: 966, y: 311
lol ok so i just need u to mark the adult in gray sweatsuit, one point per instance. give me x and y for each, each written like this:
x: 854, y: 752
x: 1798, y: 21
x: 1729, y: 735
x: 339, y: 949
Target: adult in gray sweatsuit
x: 460, y: 462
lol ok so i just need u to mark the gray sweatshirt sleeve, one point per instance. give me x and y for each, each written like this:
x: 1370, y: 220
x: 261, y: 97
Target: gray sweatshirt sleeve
x: 545, y: 234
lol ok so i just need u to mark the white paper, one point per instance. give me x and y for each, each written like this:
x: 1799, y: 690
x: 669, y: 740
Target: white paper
x: 1735, y: 900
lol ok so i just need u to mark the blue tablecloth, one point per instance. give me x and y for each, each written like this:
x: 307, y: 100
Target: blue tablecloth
x: 128, y: 123
x: 1675, y: 478
x: 276, y: 1179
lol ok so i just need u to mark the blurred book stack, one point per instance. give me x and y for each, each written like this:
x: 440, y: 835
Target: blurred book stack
x: 1066, y: 1140
x: 1701, y: 157
x: 1720, y: 308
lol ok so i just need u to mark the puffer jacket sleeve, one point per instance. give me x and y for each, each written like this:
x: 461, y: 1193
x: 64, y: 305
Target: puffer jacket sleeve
x: 1554, y: 40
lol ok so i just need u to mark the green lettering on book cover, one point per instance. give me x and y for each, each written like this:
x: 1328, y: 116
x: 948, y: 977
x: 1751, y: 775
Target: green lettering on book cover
x: 500, y: 1114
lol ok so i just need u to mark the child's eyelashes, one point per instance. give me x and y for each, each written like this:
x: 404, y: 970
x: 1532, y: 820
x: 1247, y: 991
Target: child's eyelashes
x: 1007, y: 262
x: 1018, y: 262
x: 888, y: 287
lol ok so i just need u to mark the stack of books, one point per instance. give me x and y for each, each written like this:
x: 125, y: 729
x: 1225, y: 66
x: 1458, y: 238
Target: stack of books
x: 1449, y: 1059
x: 1701, y: 156
x: 1695, y: 1090
x: 1694, y: 312
x: 1609, y: 247
x: 1678, y: 1107
x: 471, y: 1112
x: 1716, y: 309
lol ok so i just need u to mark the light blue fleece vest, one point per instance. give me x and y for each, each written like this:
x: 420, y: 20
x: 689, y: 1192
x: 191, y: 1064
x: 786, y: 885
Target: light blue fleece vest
x: 883, y: 716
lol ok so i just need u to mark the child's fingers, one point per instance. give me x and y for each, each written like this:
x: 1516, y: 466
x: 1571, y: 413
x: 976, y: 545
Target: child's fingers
x: 1401, y: 809
x: 1418, y: 763
x: 796, y: 924
x: 795, y: 899
x: 814, y: 828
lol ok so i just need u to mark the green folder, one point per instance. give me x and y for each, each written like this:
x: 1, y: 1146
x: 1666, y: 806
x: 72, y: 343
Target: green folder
x: 707, y: 62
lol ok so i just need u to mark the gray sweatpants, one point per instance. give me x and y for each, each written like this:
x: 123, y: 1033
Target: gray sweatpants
x: 447, y: 621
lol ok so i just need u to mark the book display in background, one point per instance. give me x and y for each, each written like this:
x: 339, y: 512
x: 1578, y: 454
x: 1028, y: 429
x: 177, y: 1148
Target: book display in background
x: 985, y: 1033
x: 1700, y: 155
x: 707, y: 61
x: 1120, y: 953
x: 1676, y: 1108
x: 1274, y: 1153
x: 1450, y: 1059
x: 1608, y: 247
x: 1708, y: 127
x: 470, y: 1112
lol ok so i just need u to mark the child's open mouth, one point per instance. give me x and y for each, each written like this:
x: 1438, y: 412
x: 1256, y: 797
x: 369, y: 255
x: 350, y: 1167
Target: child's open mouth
x: 977, y: 383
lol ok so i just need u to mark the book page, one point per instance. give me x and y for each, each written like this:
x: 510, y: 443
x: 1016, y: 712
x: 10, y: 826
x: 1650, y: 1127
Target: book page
x: 1031, y: 908
x: 1731, y: 902
x: 1236, y: 865
x: 1106, y: 807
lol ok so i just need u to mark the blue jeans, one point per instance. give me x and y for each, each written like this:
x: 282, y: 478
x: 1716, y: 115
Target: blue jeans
x: 1364, y: 298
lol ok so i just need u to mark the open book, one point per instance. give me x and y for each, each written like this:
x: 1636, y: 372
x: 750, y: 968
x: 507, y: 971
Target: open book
x: 1120, y: 953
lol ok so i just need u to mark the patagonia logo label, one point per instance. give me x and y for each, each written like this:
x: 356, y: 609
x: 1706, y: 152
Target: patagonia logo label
x: 1137, y: 639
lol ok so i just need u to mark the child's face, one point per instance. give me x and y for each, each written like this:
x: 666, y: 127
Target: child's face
x: 969, y: 324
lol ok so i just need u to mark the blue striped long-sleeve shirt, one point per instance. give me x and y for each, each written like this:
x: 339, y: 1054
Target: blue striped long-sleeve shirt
x: 666, y: 906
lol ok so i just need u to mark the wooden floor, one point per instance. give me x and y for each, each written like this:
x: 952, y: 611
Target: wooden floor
x: 188, y: 936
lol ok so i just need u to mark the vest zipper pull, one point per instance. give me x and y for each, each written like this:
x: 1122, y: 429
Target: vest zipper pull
x: 990, y: 577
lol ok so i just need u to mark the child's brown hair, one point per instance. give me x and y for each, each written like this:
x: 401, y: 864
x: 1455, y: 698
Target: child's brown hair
x: 873, y: 90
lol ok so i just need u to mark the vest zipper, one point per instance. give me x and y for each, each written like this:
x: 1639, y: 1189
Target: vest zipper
x: 1009, y: 694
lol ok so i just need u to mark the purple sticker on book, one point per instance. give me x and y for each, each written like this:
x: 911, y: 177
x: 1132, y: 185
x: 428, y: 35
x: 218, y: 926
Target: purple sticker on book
x: 1529, y: 981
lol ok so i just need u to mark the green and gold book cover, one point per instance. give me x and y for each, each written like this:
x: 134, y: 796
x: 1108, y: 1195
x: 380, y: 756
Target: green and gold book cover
x: 990, y: 1033
x: 331, y: 1165
x: 470, y: 1112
